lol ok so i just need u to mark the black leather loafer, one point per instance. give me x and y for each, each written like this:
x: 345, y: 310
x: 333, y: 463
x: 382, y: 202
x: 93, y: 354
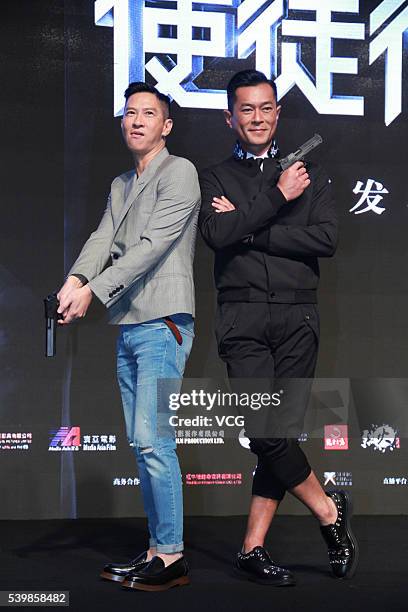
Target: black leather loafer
x: 155, y: 576
x: 118, y: 571
x: 257, y: 566
x: 341, y: 542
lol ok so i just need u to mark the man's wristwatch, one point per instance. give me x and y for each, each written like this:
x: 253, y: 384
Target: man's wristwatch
x: 81, y: 277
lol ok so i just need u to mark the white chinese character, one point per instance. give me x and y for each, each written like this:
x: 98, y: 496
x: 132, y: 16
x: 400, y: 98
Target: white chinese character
x: 138, y: 29
x: 389, y: 41
x: 259, y: 28
x: 189, y: 51
x: 369, y: 196
x: 324, y: 30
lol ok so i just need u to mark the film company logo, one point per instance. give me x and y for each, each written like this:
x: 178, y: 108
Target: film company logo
x: 200, y: 436
x: 98, y: 442
x: 380, y: 438
x: 126, y: 482
x: 338, y: 479
x: 69, y: 439
x: 395, y: 481
x: 15, y: 441
x: 65, y: 439
x: 214, y: 479
x: 336, y: 437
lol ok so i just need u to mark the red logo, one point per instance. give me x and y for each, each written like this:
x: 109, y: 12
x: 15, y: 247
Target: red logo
x: 336, y: 437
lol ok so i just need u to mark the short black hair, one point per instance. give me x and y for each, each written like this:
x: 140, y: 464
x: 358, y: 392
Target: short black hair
x: 247, y: 78
x: 140, y: 87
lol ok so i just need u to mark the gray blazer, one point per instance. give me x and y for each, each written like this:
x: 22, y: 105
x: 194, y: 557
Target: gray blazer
x: 149, y: 230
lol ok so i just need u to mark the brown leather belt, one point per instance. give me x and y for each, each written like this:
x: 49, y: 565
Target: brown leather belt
x: 174, y: 330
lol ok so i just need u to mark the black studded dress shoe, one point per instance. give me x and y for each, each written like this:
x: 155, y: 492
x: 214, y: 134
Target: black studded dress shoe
x: 155, y: 576
x: 341, y: 542
x: 257, y: 566
x: 118, y: 571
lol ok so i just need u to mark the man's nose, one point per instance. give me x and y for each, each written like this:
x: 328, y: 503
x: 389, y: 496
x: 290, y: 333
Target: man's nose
x: 257, y: 116
x: 137, y: 119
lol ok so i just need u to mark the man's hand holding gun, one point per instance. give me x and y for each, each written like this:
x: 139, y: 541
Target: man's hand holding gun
x: 70, y: 303
x: 293, y: 180
x: 74, y: 299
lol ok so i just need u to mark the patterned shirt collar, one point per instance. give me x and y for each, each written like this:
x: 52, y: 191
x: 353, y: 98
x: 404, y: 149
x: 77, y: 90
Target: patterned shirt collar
x: 240, y: 153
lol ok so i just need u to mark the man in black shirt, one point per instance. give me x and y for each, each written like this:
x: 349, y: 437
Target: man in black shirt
x: 267, y: 229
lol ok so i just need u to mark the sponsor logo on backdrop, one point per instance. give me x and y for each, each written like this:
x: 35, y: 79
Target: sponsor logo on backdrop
x: 371, y: 196
x: 382, y: 438
x: 173, y: 41
x: 200, y: 436
x: 99, y: 442
x: 336, y: 437
x: 214, y: 479
x: 65, y: 439
x: 244, y: 441
x: 125, y: 482
x: 338, y: 479
x: 69, y: 439
x: 395, y: 480
x: 16, y: 440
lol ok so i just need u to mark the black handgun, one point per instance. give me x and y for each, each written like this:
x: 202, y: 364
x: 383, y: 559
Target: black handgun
x: 299, y: 155
x: 51, y: 305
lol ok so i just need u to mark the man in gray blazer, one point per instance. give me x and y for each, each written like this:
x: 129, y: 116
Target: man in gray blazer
x: 147, y: 233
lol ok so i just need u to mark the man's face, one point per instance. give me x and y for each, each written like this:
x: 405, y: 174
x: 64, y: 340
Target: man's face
x: 144, y: 124
x: 255, y: 117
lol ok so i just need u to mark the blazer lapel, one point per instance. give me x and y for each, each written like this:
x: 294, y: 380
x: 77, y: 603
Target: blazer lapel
x: 139, y: 184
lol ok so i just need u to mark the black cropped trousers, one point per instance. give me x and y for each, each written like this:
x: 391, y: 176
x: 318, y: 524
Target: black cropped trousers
x: 265, y: 346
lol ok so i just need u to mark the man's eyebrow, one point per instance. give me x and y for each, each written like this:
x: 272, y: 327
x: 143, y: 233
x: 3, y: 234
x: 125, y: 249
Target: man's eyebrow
x: 260, y: 104
x: 143, y: 108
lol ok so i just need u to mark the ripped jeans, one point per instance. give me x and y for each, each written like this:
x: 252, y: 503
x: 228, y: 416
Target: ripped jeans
x: 146, y: 353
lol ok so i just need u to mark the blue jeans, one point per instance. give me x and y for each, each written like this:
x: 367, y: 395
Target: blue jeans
x: 146, y: 353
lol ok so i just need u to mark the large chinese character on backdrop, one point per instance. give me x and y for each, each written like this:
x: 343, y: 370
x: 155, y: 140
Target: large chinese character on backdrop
x: 171, y: 40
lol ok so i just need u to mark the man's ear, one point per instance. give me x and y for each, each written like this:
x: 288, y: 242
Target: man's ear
x: 278, y: 110
x: 228, y: 118
x: 167, y: 127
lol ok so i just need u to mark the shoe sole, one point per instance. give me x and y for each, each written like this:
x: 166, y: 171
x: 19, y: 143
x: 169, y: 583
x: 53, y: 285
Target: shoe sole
x: 351, y: 536
x: 111, y: 577
x: 139, y: 586
x: 245, y: 576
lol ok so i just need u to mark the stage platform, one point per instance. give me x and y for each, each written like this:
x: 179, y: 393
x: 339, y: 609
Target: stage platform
x: 68, y: 555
